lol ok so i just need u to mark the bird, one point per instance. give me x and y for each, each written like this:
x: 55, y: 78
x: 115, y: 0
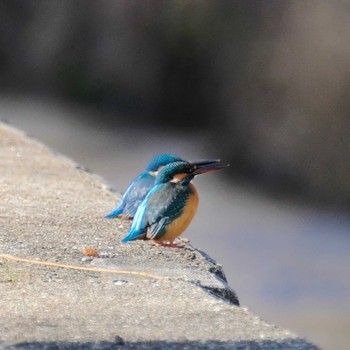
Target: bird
x: 142, y: 184
x: 171, y: 204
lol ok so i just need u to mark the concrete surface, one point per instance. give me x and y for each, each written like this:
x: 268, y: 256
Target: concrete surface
x: 132, y: 296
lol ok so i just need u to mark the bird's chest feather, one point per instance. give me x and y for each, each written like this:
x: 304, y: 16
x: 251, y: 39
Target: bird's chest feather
x: 179, y: 224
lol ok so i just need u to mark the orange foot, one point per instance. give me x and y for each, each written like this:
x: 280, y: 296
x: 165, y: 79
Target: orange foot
x: 169, y: 244
x: 124, y: 217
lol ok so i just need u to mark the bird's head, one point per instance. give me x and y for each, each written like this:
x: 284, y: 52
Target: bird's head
x: 184, y: 172
x: 160, y: 160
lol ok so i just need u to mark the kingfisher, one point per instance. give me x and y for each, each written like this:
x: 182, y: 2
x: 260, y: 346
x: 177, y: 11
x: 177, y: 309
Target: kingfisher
x: 171, y: 204
x: 142, y: 184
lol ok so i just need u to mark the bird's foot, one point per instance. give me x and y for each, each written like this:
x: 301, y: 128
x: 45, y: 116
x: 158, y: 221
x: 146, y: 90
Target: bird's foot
x: 169, y: 244
x: 124, y: 217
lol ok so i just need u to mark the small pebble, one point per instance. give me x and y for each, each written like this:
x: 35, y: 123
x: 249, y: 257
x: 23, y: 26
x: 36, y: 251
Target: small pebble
x: 120, y: 282
x: 86, y: 258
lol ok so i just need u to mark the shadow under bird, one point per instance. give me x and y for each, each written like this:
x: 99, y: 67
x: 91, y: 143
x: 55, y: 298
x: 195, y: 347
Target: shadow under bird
x: 142, y: 184
x: 171, y: 204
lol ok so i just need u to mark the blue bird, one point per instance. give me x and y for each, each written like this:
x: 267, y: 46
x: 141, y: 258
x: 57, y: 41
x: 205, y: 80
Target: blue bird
x: 139, y: 187
x: 171, y: 204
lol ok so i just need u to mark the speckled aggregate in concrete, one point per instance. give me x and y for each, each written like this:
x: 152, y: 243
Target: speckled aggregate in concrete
x: 50, y: 210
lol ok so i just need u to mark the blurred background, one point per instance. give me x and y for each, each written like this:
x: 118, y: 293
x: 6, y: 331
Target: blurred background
x: 263, y: 85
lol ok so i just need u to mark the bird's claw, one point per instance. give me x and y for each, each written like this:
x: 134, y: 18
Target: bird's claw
x: 169, y: 244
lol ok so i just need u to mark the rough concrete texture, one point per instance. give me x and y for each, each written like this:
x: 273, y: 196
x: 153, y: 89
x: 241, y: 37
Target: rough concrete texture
x: 132, y: 296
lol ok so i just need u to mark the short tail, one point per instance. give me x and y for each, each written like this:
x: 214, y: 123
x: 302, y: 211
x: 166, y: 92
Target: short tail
x: 133, y: 235
x: 114, y: 213
x: 125, y: 239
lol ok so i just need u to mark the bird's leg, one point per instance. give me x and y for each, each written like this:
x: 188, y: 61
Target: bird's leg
x: 168, y: 244
x: 124, y: 217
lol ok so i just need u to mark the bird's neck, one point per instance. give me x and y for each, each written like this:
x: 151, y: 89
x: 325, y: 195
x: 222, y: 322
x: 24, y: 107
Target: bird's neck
x: 182, y: 179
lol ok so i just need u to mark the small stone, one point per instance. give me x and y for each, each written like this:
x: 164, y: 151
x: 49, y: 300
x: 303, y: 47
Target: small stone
x: 120, y: 282
x: 86, y: 259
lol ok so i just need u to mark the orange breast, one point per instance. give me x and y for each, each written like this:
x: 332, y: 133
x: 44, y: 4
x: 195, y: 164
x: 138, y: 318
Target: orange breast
x: 179, y: 225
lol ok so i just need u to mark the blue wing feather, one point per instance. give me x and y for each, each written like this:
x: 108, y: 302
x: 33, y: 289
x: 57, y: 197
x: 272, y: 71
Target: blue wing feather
x: 133, y: 197
x: 139, y: 224
x: 163, y: 204
x: 172, y: 201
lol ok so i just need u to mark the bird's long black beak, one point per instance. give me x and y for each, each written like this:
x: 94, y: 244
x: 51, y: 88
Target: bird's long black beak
x: 208, y: 166
x: 203, y: 162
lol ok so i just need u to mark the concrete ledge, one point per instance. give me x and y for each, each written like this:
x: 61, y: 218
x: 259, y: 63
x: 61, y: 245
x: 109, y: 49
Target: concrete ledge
x: 132, y: 296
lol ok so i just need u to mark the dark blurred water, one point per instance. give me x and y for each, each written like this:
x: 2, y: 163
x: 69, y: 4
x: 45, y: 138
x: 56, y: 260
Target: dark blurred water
x: 289, y: 264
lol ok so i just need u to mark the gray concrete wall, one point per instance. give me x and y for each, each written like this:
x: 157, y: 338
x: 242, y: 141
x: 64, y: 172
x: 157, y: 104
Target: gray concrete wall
x: 131, y: 296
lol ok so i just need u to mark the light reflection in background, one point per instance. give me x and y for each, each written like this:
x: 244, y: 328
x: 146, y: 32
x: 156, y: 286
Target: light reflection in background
x: 289, y: 264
